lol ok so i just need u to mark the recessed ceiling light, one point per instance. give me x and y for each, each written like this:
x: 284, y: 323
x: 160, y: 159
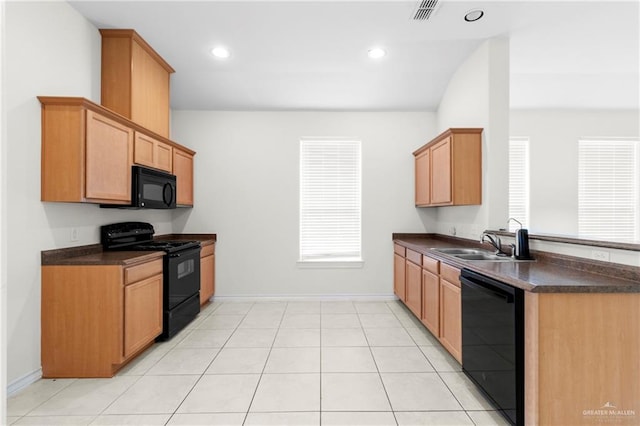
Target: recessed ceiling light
x: 376, y: 53
x: 220, y: 52
x: 473, y: 15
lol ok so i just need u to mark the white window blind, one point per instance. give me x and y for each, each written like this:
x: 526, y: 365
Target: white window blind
x: 330, y: 200
x: 519, y: 182
x: 608, y: 189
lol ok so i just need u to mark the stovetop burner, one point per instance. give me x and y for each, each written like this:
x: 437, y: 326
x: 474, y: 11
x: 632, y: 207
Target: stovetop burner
x: 167, y: 246
x: 139, y: 236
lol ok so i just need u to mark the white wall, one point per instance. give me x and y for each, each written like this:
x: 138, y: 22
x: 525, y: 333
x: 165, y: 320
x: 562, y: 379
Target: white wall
x: 478, y: 96
x: 49, y: 50
x: 553, y: 149
x: 247, y: 190
x: 3, y: 230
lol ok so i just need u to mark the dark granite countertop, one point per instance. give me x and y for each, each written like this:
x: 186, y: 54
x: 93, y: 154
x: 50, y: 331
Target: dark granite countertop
x: 550, y: 273
x: 205, y: 239
x: 94, y: 255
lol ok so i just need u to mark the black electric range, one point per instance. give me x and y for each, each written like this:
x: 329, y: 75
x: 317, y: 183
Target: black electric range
x: 181, y: 283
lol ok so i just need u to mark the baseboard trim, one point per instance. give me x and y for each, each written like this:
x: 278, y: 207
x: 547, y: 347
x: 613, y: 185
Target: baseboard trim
x: 306, y: 298
x: 24, y: 381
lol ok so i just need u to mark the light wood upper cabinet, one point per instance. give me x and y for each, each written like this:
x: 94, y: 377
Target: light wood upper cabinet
x: 88, y: 151
x: 441, y: 172
x: 86, y: 154
x: 207, y: 273
x: 109, y: 150
x: 183, y: 169
x: 151, y: 152
x: 423, y: 178
x: 135, y: 80
x: 448, y: 169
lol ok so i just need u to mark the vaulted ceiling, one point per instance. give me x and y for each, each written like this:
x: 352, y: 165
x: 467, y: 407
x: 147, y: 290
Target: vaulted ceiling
x: 312, y: 55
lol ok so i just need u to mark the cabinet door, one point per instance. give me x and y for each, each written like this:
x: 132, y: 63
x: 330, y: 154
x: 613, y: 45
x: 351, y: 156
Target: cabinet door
x: 441, y: 172
x: 164, y: 157
x: 109, y: 155
x: 207, y: 278
x: 451, y: 319
x: 152, y: 153
x: 431, y: 302
x: 142, y: 313
x: 149, y: 91
x: 183, y: 169
x: 414, y: 288
x: 423, y: 178
x: 399, y: 276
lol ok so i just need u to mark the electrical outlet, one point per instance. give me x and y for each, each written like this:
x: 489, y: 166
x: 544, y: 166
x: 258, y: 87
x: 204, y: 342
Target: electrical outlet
x: 74, y: 234
x: 600, y: 255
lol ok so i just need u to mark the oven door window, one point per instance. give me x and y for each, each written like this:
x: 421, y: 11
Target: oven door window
x: 186, y: 268
x: 182, y: 279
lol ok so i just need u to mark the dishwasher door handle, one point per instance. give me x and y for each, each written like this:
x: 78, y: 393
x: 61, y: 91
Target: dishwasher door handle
x: 489, y: 289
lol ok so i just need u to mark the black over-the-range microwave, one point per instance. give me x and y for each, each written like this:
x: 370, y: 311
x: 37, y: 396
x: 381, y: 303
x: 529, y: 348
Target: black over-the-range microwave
x: 150, y: 189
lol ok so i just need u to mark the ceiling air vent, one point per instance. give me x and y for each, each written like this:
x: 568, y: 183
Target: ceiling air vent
x: 425, y: 9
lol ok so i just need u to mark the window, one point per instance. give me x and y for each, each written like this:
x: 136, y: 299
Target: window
x: 518, y: 182
x: 608, y: 189
x: 330, y: 187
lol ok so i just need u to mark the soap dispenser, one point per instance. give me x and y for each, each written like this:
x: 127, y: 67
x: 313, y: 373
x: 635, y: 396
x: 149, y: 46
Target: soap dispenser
x: 522, y: 245
x: 521, y: 248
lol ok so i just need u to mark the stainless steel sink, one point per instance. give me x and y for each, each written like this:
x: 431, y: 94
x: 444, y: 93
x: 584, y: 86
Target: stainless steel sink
x: 486, y: 257
x: 456, y: 251
x: 474, y: 254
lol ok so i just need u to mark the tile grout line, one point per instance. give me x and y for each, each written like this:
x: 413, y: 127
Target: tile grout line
x: 437, y: 372
x: 205, y: 369
x: 46, y: 400
x: 264, y: 367
x: 378, y: 370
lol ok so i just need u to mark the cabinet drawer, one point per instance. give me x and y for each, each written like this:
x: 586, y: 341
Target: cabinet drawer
x: 207, y: 250
x: 140, y: 272
x: 450, y: 274
x: 431, y: 265
x: 414, y: 257
x: 398, y: 249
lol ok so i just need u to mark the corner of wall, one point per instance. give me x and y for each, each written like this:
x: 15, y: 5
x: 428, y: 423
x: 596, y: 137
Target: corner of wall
x: 478, y: 96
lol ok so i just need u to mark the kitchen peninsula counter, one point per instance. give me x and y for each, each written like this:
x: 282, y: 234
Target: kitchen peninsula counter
x: 549, y: 273
x: 581, y: 327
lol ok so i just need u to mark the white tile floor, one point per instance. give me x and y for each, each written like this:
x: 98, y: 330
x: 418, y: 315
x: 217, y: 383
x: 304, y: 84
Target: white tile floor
x: 274, y: 363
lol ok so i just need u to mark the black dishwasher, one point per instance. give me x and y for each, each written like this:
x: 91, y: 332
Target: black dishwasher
x: 493, y: 341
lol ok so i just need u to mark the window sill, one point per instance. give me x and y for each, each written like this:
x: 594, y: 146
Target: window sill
x: 330, y: 264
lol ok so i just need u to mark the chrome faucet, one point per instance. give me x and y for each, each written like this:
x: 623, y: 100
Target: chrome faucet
x: 493, y: 239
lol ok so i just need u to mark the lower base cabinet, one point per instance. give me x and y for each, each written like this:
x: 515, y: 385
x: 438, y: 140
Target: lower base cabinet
x: 207, y: 273
x: 451, y: 319
x: 431, y: 302
x: 96, y: 318
x: 142, y: 322
x: 413, y: 295
x: 431, y: 290
x: 399, y: 270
